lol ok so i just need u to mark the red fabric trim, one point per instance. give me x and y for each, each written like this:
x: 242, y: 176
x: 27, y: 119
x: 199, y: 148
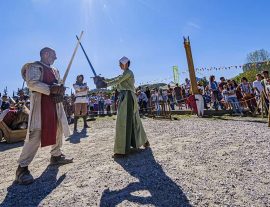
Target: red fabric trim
x: 48, y: 112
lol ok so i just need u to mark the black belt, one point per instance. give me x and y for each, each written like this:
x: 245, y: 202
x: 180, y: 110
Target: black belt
x: 80, y: 96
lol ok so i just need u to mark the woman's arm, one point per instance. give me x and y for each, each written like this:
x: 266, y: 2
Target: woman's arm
x: 119, y: 79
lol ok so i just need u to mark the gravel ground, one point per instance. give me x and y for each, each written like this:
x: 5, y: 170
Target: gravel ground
x: 192, y: 162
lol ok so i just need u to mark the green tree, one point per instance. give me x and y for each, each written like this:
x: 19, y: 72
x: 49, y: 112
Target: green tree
x: 258, y: 60
x: 250, y: 75
x: 258, y: 56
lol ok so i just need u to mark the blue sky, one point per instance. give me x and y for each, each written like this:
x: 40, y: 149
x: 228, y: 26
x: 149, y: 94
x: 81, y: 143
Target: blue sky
x: 149, y: 32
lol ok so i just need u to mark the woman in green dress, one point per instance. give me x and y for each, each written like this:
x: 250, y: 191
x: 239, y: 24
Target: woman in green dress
x: 129, y: 128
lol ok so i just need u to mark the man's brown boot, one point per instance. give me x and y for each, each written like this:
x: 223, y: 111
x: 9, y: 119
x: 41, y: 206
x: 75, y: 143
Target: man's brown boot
x: 60, y: 160
x: 23, y: 176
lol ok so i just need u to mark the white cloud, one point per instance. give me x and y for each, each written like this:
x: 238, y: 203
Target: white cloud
x: 194, y: 25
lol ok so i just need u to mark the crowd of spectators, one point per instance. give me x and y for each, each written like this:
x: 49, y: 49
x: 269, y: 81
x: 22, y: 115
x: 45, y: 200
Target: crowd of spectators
x: 224, y: 94
x: 218, y: 95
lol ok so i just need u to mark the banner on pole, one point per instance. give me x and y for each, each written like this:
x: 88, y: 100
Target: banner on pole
x: 176, y: 74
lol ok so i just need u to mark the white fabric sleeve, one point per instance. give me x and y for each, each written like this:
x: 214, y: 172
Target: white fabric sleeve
x: 33, y: 76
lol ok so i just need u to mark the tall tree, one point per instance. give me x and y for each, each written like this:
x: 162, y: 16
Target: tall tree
x: 258, y: 56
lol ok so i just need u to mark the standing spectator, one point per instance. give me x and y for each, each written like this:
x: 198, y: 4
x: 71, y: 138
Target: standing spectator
x: 224, y: 93
x: 232, y: 98
x: 155, y: 101
x: 213, y: 86
x: 170, y: 97
x: 221, y: 84
x: 183, y: 91
x: 5, y: 103
x: 101, y: 102
x: 108, y: 103
x: 248, y: 94
x: 187, y: 88
x: 164, y: 95
x: 266, y: 83
x: 148, y: 95
x: 200, y: 88
x: 207, y: 97
x: 178, y: 95
x: 257, y: 85
x: 142, y: 98
x: 147, y: 92
x: 238, y: 90
x: 91, y: 106
x: 68, y: 107
x: 22, y: 97
x: 96, y: 106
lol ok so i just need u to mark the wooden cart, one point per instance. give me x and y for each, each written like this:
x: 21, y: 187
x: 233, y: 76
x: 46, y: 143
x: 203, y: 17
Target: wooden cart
x: 11, y: 136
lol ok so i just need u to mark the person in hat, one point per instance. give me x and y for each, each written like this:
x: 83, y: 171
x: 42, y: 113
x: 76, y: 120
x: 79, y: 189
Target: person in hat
x: 5, y: 103
x: 81, y: 101
x: 129, y: 128
x: 47, y: 119
x: 22, y: 97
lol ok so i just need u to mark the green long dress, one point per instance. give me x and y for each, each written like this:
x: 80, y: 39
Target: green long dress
x: 129, y: 129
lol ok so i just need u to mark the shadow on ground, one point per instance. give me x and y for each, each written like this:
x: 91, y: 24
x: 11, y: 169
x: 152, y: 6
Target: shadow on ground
x: 4, y: 146
x: 32, y: 195
x: 239, y: 119
x: 162, y: 190
x: 76, y: 137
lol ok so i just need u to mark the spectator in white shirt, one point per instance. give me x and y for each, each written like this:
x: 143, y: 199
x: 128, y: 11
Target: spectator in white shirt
x: 257, y: 85
x: 142, y: 98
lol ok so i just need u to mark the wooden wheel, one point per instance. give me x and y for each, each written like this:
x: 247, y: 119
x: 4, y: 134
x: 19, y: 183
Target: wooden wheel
x: 1, y: 135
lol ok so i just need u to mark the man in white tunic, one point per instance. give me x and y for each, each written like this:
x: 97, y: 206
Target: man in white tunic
x: 81, y: 94
x: 47, y: 119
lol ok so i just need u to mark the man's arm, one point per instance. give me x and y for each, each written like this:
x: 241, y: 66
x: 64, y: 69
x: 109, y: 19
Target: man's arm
x: 33, y: 75
x: 80, y: 89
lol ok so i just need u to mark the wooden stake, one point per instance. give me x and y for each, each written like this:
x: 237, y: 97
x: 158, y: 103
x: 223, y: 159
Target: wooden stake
x: 191, y: 69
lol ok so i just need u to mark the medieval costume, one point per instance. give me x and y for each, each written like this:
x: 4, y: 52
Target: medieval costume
x: 47, y: 120
x: 81, y: 101
x: 266, y: 88
x: 129, y: 128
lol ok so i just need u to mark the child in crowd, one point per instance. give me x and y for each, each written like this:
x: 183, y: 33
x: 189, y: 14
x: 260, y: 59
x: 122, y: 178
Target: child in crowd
x: 225, y: 93
x: 108, y: 103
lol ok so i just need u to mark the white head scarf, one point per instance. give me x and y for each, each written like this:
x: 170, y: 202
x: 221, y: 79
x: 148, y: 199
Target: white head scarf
x: 124, y: 60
